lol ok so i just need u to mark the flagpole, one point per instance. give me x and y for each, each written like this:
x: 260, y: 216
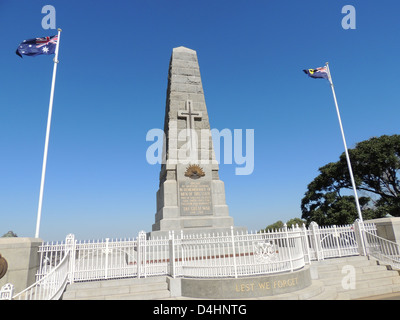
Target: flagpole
x: 345, y: 145
x: 46, y: 145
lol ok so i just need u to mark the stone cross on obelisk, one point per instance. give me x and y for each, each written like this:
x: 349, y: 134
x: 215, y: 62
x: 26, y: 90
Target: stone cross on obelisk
x: 190, y: 116
x: 191, y: 197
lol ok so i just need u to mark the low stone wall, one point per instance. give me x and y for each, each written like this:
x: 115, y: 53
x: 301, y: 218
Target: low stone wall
x: 248, y: 287
x: 387, y: 228
x: 22, y: 259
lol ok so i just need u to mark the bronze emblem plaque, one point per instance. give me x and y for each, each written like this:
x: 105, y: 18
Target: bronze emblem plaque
x: 3, y: 266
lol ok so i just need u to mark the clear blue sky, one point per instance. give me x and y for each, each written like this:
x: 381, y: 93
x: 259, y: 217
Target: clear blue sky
x: 111, y: 88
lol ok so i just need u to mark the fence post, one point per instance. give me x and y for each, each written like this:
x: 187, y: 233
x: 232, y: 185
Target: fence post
x: 359, y: 232
x: 172, y: 254
x: 285, y: 228
x: 7, y: 292
x: 316, y: 240
x: 141, y: 254
x: 234, y: 252
x: 106, y: 262
x: 70, y: 248
x: 306, y: 244
x: 337, y: 237
x: 138, y: 256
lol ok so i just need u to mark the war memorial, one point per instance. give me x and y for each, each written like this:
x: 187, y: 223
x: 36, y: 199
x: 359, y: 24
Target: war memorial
x: 194, y: 250
x: 191, y: 196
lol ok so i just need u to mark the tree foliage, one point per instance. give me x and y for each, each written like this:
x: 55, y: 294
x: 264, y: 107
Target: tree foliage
x: 376, y: 169
x: 279, y: 224
x: 9, y: 234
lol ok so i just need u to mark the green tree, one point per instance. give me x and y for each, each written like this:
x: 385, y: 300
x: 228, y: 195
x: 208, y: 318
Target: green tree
x: 376, y: 169
x: 279, y: 224
x: 9, y: 234
x: 292, y: 222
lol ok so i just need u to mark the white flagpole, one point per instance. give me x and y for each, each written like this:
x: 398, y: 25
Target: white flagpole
x: 345, y: 146
x: 46, y: 145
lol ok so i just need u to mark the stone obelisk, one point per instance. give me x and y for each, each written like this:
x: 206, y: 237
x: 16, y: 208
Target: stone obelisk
x: 191, y: 197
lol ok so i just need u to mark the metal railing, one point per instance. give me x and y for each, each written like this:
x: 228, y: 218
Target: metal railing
x: 382, y: 249
x: 221, y: 255
x: 49, y: 286
x: 237, y: 255
x: 336, y: 241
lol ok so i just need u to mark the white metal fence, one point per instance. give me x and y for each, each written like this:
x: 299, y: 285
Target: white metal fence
x: 205, y: 256
x: 237, y: 255
x: 336, y: 241
x: 221, y: 255
x: 382, y: 249
x: 51, y: 285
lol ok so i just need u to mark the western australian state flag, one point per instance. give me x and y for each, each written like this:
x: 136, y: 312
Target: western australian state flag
x: 37, y: 46
x: 317, y: 73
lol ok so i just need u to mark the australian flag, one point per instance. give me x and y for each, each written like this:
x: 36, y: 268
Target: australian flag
x: 317, y: 73
x: 37, y: 46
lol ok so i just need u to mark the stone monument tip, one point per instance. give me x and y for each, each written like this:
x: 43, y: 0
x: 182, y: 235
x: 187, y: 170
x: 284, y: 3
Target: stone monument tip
x: 184, y: 49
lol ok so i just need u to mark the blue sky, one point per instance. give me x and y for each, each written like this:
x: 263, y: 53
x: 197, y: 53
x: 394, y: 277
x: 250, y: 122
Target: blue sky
x: 111, y: 88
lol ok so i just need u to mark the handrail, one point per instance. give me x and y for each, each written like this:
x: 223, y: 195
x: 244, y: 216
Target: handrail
x: 382, y: 249
x: 50, y: 287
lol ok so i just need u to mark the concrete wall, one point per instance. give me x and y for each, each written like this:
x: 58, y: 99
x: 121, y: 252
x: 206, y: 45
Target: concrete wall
x: 23, y: 261
x: 388, y: 228
x: 243, y: 288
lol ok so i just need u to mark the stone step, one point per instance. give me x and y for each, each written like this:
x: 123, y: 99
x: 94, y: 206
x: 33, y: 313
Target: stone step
x: 376, y: 283
x: 116, y: 282
x: 328, y: 293
x: 387, y: 282
x: 367, y: 276
x: 339, y: 266
x: 150, y: 295
x: 367, y: 292
x: 341, y: 260
x: 135, y: 289
x: 361, y: 272
x: 374, y: 277
x: 364, y: 284
x: 308, y: 293
x: 371, y: 278
x: 117, y: 290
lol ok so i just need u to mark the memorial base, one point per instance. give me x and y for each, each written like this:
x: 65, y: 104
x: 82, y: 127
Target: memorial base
x: 244, y: 288
x: 196, y: 231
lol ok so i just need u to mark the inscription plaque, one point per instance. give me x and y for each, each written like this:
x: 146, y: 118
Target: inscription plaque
x: 195, y: 198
